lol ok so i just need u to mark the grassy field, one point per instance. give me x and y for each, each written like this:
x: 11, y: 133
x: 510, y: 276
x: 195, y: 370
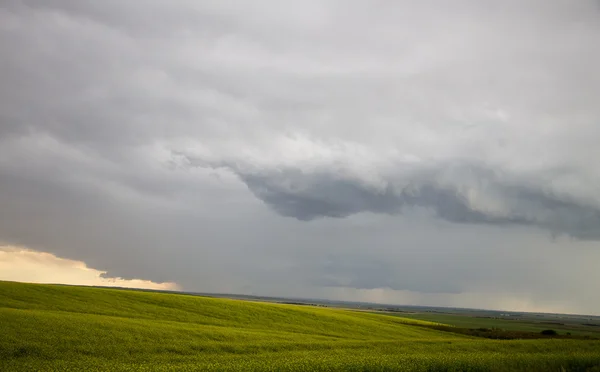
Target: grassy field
x: 467, y: 321
x: 54, y: 328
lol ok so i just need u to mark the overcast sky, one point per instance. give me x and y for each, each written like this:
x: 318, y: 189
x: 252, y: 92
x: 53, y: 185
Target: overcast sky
x: 433, y: 152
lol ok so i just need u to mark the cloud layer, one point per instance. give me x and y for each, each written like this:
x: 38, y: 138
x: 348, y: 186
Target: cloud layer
x: 460, y: 193
x: 323, y: 148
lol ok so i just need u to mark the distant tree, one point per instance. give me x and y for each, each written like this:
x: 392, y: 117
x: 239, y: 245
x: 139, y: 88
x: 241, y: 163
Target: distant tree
x: 549, y: 332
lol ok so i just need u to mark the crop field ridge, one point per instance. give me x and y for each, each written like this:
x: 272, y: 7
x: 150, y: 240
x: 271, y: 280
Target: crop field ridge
x: 69, y: 328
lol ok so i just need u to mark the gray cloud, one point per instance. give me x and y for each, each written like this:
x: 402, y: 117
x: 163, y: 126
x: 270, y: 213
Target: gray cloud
x: 427, y: 147
x: 448, y: 191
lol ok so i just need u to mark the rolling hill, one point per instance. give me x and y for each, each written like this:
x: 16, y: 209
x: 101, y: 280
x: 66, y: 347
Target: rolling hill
x: 55, y: 327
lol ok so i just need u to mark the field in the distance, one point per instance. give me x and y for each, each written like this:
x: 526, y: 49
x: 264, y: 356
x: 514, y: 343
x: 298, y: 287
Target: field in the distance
x: 524, y: 322
x: 52, y: 327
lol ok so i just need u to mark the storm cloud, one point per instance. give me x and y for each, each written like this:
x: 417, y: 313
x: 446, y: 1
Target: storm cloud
x: 428, y: 153
x: 456, y: 193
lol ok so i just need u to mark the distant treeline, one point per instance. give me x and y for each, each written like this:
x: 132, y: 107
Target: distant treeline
x: 301, y: 303
x: 502, y: 334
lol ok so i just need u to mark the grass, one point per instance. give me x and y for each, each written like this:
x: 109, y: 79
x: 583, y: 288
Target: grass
x: 52, y: 327
x: 468, y: 321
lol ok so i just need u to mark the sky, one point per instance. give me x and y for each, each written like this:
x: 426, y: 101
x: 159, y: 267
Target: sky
x: 420, y: 153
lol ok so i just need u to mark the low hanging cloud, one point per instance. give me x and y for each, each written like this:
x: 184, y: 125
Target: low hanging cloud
x: 25, y: 265
x: 458, y: 193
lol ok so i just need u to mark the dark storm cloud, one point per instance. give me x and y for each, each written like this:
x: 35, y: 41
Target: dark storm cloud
x: 325, y: 195
x: 165, y: 140
x: 307, y: 195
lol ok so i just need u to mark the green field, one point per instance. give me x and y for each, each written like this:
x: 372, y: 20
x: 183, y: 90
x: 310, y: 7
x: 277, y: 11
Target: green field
x: 53, y: 328
x: 525, y: 324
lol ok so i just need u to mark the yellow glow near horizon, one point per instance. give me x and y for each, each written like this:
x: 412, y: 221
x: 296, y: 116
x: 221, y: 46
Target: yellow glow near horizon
x: 25, y: 265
